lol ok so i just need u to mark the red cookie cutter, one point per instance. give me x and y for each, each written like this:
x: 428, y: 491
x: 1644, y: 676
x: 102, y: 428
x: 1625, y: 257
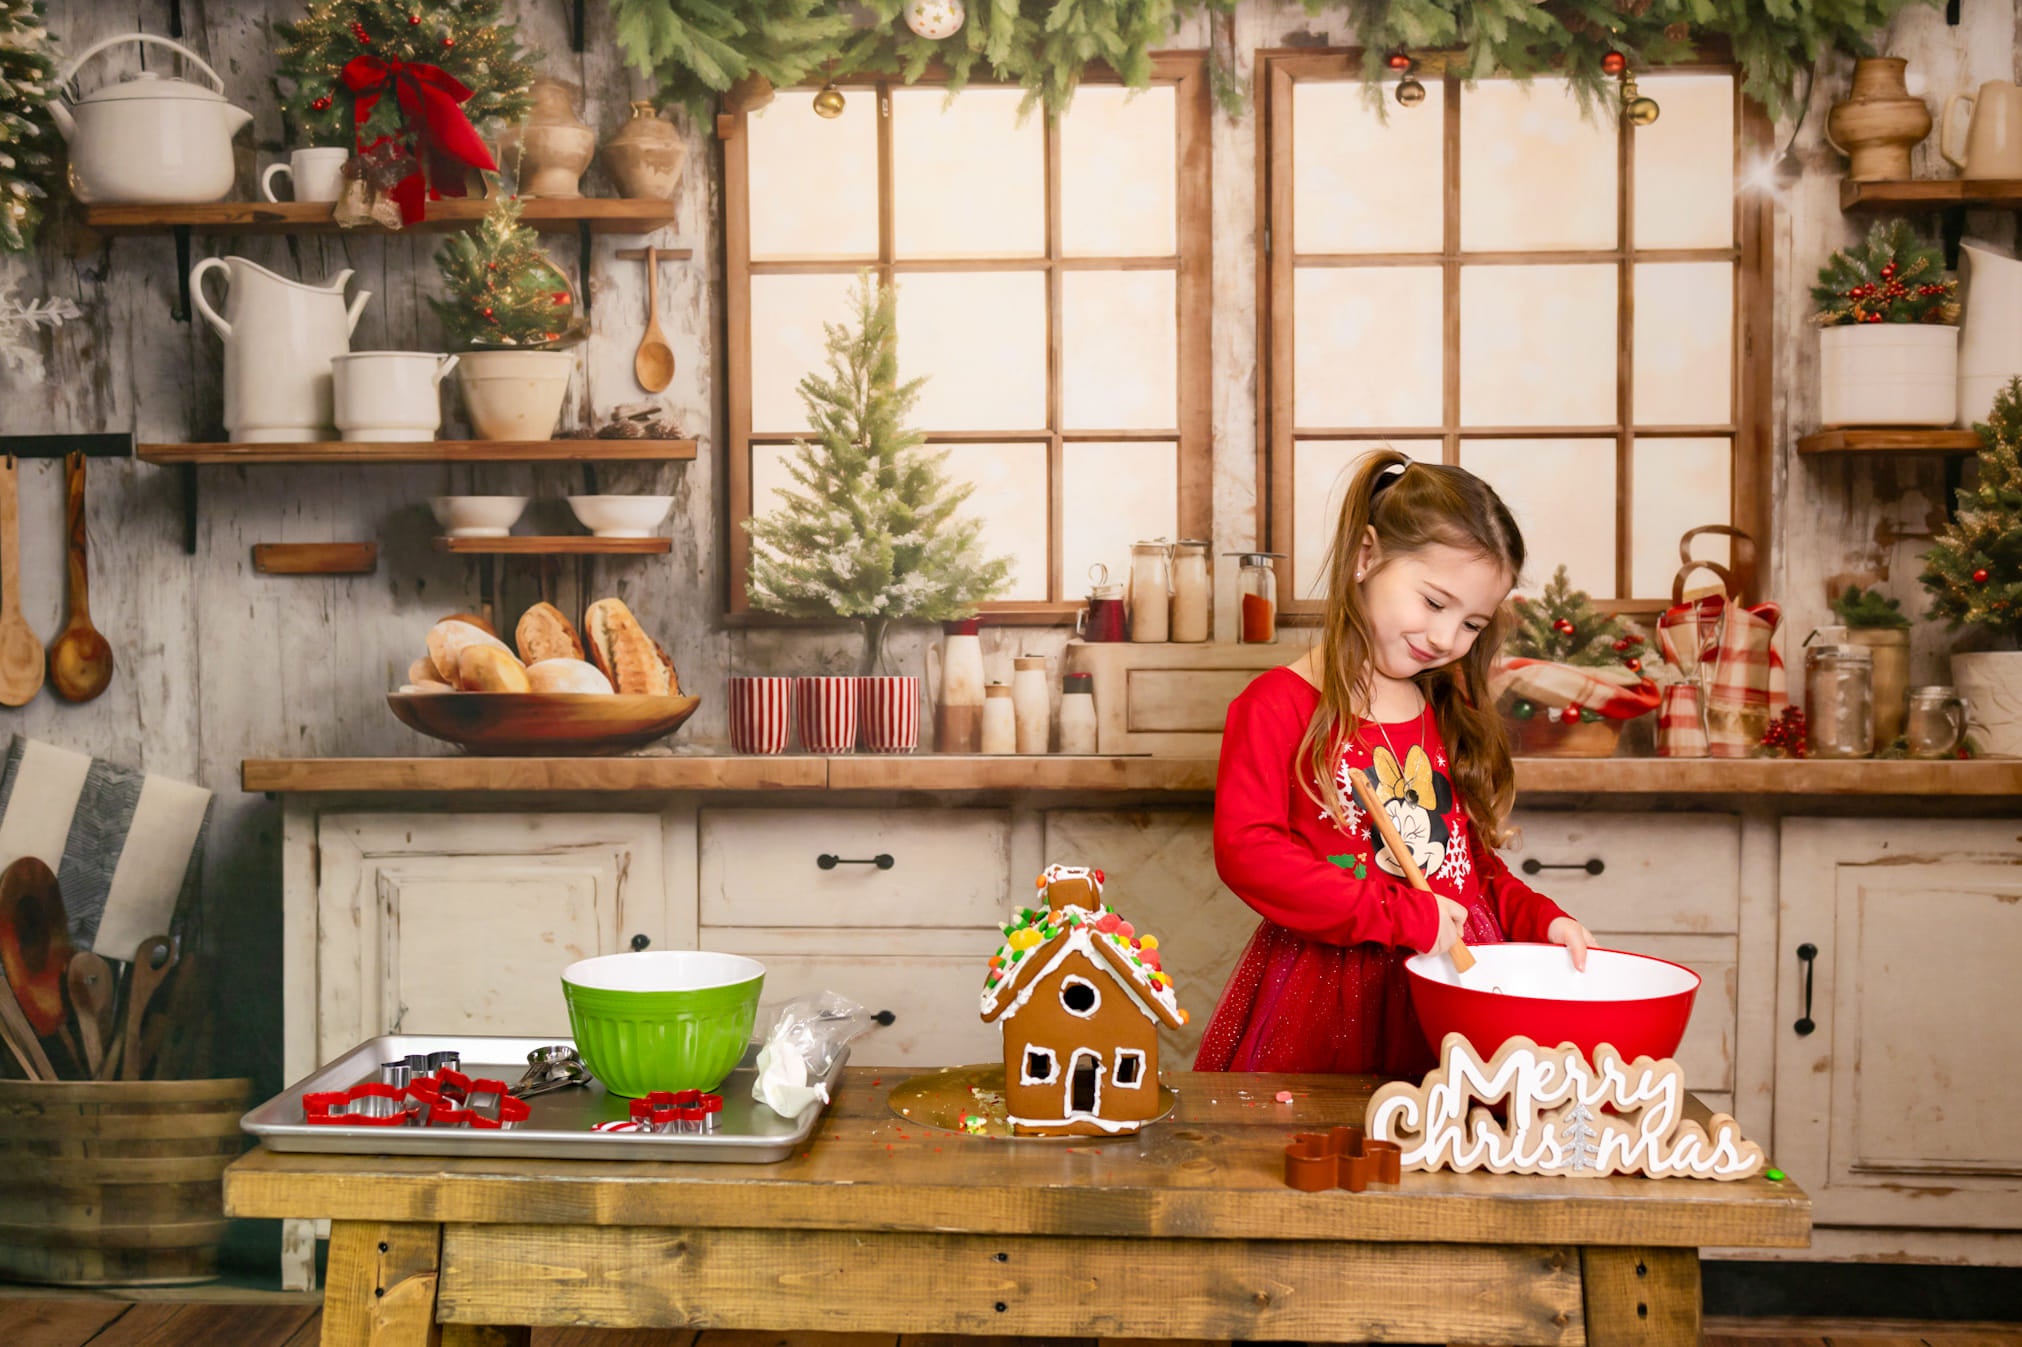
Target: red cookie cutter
x: 367, y: 1105
x: 452, y: 1099
x: 1340, y: 1158
x: 677, y: 1111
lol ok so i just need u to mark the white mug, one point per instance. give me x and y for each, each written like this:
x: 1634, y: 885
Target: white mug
x: 317, y: 175
x: 389, y: 395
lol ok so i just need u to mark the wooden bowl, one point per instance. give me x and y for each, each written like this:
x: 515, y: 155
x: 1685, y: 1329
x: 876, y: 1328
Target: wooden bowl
x: 536, y: 724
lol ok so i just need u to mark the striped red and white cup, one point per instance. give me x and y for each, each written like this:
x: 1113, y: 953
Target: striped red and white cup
x: 825, y: 710
x: 761, y: 714
x: 891, y: 714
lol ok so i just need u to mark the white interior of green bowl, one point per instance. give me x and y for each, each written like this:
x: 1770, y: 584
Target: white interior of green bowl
x: 662, y: 970
x: 1547, y: 973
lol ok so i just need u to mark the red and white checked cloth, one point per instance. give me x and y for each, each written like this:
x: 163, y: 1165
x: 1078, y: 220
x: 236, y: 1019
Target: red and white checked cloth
x: 1681, y: 732
x: 1611, y: 692
x: 1727, y: 653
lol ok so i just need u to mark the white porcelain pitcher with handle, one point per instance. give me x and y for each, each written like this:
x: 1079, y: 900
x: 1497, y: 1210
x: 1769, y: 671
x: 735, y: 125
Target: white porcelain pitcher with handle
x: 280, y: 337
x: 1990, y: 330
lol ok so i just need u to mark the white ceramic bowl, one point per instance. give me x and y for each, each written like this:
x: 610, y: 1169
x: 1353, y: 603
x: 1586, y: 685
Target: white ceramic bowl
x: 477, y: 516
x: 621, y: 516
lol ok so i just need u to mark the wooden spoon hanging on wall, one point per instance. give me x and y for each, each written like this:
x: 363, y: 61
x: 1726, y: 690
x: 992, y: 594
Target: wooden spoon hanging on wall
x: 653, y: 363
x: 21, y: 655
x: 80, y: 663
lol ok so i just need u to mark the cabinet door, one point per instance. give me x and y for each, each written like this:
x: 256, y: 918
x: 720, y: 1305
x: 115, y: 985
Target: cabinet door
x: 448, y: 923
x: 1901, y: 1105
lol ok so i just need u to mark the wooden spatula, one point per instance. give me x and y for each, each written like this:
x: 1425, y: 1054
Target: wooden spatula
x: 21, y: 654
x: 1462, y: 956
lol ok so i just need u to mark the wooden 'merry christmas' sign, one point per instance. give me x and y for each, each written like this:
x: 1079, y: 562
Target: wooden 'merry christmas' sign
x: 1553, y: 1116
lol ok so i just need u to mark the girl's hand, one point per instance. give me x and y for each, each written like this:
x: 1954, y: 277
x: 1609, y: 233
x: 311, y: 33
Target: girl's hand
x: 1565, y: 931
x: 1452, y: 917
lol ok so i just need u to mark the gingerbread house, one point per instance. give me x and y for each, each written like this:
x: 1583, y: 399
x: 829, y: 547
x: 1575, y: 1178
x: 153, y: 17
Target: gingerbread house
x: 1079, y: 995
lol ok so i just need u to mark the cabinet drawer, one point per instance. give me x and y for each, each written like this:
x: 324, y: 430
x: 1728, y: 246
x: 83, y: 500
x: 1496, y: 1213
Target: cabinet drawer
x: 932, y: 1000
x: 950, y: 867
x: 1660, y: 873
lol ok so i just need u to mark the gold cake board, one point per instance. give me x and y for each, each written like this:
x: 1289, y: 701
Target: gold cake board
x: 943, y: 1098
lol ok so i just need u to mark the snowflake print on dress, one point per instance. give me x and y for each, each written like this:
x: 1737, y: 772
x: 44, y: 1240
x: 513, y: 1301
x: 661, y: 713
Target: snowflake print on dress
x: 1352, y: 817
x: 1457, y: 863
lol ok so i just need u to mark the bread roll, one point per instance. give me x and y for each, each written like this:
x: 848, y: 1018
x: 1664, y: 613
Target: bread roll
x: 566, y: 675
x: 544, y: 634
x: 477, y: 620
x: 423, y: 671
x: 448, y: 639
x: 632, y: 660
x: 484, y: 668
x: 426, y: 685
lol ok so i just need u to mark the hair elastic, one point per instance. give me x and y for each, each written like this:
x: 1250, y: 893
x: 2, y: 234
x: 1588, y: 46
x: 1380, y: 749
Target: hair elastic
x: 1386, y: 478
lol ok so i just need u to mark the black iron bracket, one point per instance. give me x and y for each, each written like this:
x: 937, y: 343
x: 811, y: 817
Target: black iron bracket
x: 175, y: 18
x: 181, y: 312
x: 576, y: 28
x: 187, y: 478
x: 1951, y: 13
x: 1952, y: 228
x: 59, y: 446
x: 583, y: 260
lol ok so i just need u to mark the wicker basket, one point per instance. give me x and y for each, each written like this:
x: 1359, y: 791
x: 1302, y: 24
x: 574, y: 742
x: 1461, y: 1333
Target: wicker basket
x: 1543, y: 736
x: 116, y: 1183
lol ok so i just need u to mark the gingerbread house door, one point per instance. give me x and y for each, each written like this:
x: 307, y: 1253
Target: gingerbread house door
x: 1084, y: 1081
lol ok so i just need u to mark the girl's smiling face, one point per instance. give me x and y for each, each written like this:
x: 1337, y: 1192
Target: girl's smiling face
x: 1427, y: 607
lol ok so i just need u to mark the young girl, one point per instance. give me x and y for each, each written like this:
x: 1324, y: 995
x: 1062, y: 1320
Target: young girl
x: 1422, y: 559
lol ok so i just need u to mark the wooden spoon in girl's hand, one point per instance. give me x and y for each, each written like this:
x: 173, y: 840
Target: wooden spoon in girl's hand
x: 1462, y: 956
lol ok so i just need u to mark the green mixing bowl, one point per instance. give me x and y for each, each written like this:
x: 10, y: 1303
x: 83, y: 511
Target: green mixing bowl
x: 662, y: 1019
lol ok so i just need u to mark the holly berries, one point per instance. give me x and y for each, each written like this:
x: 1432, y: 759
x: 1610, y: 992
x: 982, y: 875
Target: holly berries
x: 1785, y: 734
x: 358, y: 32
x: 1564, y: 626
x: 320, y: 104
x: 488, y: 314
x: 1635, y: 665
x: 1980, y: 576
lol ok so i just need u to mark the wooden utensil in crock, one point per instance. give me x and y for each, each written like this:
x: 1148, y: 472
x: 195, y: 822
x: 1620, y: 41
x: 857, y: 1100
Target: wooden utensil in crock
x: 34, y: 942
x: 80, y: 663
x: 93, y: 993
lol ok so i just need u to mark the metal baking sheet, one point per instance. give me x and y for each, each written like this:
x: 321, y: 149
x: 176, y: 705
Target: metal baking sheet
x: 558, y: 1128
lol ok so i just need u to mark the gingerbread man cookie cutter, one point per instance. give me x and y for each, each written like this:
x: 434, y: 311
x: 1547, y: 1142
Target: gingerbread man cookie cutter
x: 1340, y: 1158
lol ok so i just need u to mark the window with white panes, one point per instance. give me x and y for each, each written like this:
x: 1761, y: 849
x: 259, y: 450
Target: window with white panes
x: 1052, y: 280
x: 1557, y: 302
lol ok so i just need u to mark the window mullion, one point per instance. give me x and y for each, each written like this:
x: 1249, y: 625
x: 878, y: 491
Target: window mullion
x: 1449, y: 410
x: 1625, y: 356
x: 1056, y: 542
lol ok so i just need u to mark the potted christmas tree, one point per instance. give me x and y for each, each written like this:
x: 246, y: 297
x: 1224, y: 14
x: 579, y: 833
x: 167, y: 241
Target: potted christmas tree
x: 1874, y: 620
x: 870, y: 530
x: 1570, y: 675
x: 509, y: 307
x: 1974, y: 573
x: 1889, y: 351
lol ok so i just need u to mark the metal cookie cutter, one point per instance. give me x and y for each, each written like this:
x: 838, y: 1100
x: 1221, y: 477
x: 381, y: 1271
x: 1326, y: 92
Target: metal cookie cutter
x: 687, y: 1111
x: 554, y: 1067
x: 452, y: 1099
x: 1340, y: 1158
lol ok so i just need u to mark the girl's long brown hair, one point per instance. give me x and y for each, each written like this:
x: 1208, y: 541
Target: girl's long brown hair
x: 1426, y: 503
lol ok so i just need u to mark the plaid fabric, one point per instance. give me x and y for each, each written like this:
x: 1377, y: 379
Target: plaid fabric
x: 1688, y: 635
x: 1731, y: 651
x: 1680, y: 731
x: 1614, y: 693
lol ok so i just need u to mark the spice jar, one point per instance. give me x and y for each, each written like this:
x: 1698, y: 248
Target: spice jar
x: 1937, y: 722
x: 1102, y: 619
x: 1192, y: 588
x: 1031, y: 708
x: 1077, y: 713
x: 1839, y: 703
x: 1257, y: 598
x: 1000, y: 720
x: 1150, y: 590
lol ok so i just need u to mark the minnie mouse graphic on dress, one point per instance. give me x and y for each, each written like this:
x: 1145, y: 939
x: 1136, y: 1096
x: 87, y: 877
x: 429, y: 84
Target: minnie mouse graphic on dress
x: 1418, y: 799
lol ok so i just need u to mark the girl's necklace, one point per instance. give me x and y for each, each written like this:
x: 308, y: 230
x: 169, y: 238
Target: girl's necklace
x: 1423, y: 706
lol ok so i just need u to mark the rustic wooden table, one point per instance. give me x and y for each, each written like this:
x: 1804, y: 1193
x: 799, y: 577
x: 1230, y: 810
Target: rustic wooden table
x: 1185, y: 1231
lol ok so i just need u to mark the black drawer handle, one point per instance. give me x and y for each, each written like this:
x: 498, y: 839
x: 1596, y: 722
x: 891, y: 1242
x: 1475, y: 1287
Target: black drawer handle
x: 829, y: 861
x: 1807, y: 954
x: 884, y: 1017
x: 1592, y: 865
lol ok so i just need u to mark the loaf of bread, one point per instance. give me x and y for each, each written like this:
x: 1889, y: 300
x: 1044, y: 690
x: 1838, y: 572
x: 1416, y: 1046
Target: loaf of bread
x: 544, y: 634
x: 423, y: 670
x: 632, y: 660
x: 477, y: 620
x: 566, y: 675
x: 448, y: 639
x: 491, y: 668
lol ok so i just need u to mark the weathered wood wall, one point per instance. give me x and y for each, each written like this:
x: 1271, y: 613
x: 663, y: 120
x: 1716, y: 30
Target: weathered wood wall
x: 218, y: 663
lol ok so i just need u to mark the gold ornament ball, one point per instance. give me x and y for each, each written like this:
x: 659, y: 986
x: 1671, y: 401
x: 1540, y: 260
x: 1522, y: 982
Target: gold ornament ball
x: 1641, y: 111
x: 829, y: 102
x: 1410, y: 92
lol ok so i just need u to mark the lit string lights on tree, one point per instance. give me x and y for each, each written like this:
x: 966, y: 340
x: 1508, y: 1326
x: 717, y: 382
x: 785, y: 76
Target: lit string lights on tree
x: 504, y: 293
x: 27, y: 136
x: 1974, y: 567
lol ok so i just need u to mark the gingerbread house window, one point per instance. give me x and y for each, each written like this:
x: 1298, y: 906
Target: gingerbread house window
x: 1080, y: 997
x: 1041, y: 1068
x: 1129, y: 1072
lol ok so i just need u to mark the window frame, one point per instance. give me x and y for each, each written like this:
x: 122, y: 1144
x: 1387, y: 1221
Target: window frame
x: 1278, y: 71
x: 1191, y: 265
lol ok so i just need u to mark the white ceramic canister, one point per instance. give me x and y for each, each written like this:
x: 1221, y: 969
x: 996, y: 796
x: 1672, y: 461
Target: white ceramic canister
x: 1888, y: 374
x: 1000, y: 720
x: 280, y: 337
x: 1032, y: 705
x: 1077, y: 713
x: 955, y: 679
x: 387, y: 396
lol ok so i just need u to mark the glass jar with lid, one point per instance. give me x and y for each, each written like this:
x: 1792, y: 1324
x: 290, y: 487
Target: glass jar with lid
x: 1192, y: 590
x: 1257, y: 597
x: 1839, y: 707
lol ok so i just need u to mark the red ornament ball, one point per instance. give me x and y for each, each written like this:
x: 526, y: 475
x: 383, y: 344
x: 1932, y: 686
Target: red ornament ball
x: 1563, y: 625
x: 487, y: 313
x: 1635, y: 666
x: 559, y: 297
x: 1614, y: 63
x: 321, y: 104
x: 449, y: 42
x: 1397, y: 60
x: 414, y: 20
x: 1888, y: 270
x: 1980, y: 576
x: 1570, y: 715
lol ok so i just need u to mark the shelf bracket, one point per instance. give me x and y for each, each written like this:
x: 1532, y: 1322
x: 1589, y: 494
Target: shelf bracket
x: 181, y: 312
x: 1952, y: 228
x: 175, y: 18
x: 188, y: 474
x: 1951, y: 13
x: 109, y: 445
x: 576, y: 27
x: 583, y: 259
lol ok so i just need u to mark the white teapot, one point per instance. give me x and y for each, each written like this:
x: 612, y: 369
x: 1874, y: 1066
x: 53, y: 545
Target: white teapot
x: 148, y: 140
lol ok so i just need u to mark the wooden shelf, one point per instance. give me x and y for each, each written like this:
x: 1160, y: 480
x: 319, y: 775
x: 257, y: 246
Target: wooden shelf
x: 426, y: 451
x: 1930, y: 194
x: 602, y: 215
x: 1890, y: 441
x: 564, y: 545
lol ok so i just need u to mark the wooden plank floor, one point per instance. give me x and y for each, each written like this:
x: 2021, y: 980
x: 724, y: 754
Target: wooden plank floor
x: 43, y: 1322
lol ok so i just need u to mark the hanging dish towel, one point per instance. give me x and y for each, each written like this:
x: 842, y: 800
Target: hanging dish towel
x: 126, y: 845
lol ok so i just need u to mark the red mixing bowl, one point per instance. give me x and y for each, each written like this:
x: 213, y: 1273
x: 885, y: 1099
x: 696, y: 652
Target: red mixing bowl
x: 1638, y: 1004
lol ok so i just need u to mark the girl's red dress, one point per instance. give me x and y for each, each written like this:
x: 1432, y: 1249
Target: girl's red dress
x: 1322, y: 986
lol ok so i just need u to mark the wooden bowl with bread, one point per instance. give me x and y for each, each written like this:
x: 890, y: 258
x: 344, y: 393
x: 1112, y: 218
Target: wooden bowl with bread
x: 546, y: 697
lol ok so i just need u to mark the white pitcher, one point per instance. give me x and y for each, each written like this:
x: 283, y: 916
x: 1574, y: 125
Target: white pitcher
x: 280, y: 337
x: 1990, y: 332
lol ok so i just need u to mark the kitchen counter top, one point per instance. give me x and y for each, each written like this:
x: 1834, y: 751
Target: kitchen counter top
x: 1985, y: 778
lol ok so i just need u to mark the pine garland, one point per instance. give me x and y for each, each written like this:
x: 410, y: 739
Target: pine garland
x: 1562, y: 625
x: 27, y: 135
x: 466, y: 39
x: 1892, y: 276
x: 503, y: 291
x: 1869, y: 609
x: 872, y: 532
x: 1974, y: 568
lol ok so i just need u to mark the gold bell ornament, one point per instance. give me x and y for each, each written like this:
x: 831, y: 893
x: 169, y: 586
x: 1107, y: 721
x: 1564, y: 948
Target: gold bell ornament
x: 829, y: 102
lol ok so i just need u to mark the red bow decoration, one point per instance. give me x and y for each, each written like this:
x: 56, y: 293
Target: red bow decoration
x: 441, y: 138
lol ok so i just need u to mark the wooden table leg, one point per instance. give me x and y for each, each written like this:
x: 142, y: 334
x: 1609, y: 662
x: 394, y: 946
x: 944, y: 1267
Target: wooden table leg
x: 1640, y: 1297
x: 380, y: 1291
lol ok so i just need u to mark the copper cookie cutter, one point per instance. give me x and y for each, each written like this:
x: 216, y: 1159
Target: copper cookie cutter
x: 1341, y: 1158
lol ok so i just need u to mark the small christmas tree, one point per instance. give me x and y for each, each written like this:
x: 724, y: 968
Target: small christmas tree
x: 503, y: 290
x: 27, y: 135
x: 465, y: 39
x: 1892, y: 277
x: 1562, y: 625
x: 872, y: 532
x: 1975, y: 564
x: 1870, y: 608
